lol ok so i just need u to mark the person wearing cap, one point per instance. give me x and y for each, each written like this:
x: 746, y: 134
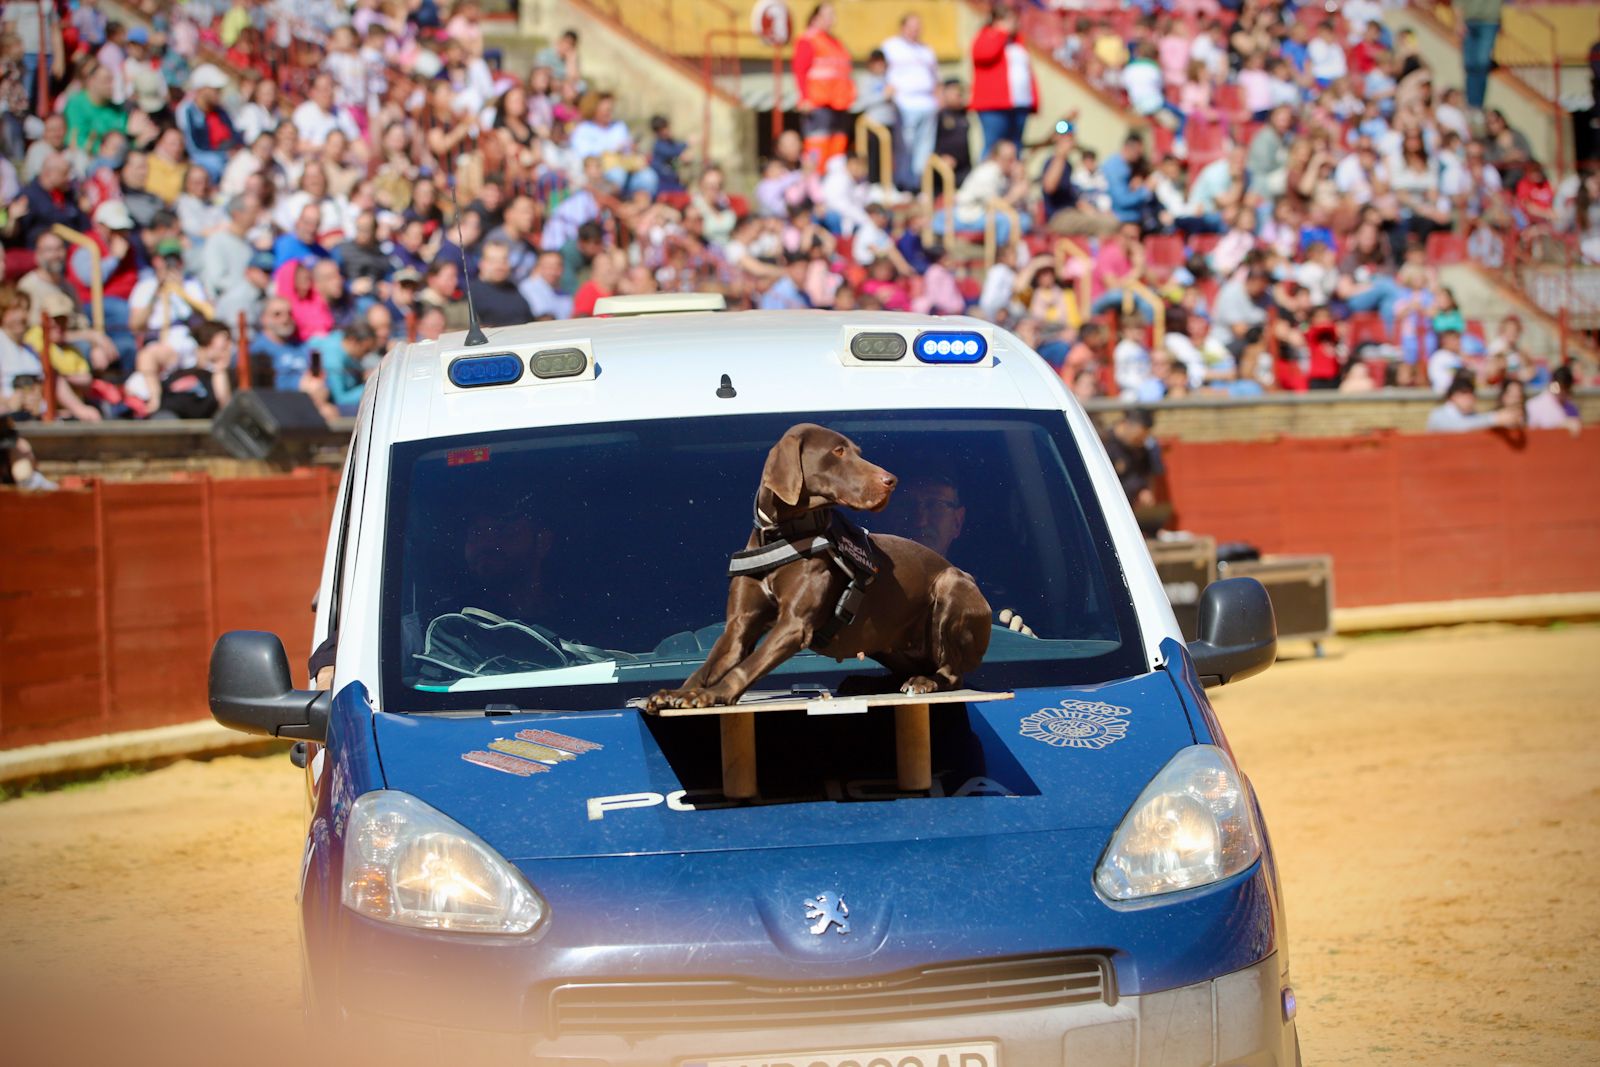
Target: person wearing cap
x: 208, y: 132
x: 93, y: 110
x: 111, y: 233
x: 165, y: 299
x: 75, y: 372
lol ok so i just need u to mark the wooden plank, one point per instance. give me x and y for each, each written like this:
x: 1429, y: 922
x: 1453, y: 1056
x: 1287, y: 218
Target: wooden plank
x: 828, y: 703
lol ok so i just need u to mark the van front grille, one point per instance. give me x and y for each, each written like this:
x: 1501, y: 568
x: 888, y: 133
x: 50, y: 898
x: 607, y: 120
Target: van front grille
x: 680, y: 1005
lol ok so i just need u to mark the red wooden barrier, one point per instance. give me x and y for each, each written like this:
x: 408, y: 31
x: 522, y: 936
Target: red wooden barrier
x: 1407, y: 518
x: 110, y: 598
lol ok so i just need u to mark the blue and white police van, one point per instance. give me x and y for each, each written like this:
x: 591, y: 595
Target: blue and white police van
x: 506, y: 861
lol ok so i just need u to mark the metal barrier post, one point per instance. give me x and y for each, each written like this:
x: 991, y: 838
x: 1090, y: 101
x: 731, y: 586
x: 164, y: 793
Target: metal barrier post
x: 866, y: 130
x: 244, y: 354
x: 777, y: 93
x: 97, y: 305
x: 1158, y: 312
x: 940, y: 168
x: 46, y: 52
x: 47, y: 336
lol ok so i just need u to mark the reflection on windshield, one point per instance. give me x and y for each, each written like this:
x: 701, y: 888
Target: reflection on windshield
x: 589, y: 563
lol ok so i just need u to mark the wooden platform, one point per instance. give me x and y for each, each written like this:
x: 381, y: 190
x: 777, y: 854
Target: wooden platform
x: 913, y: 754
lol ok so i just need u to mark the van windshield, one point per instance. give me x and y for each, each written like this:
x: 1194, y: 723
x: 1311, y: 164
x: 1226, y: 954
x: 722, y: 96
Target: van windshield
x: 575, y: 567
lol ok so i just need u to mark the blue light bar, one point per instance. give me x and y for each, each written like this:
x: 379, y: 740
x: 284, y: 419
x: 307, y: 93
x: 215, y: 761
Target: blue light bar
x: 471, y: 372
x: 951, y: 346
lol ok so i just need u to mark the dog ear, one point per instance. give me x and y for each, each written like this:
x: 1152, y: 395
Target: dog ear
x: 782, y: 474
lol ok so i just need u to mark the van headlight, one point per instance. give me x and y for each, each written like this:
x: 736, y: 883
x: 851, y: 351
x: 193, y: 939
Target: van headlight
x: 407, y: 864
x: 1192, y: 825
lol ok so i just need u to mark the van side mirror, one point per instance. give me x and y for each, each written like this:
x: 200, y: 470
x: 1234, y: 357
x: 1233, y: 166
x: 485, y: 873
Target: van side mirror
x: 1238, y: 632
x: 251, y: 690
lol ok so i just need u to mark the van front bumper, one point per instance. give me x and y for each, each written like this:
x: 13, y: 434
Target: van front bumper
x: 1235, y: 1019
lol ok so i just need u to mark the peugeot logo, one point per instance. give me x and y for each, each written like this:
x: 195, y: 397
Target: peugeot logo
x: 825, y: 910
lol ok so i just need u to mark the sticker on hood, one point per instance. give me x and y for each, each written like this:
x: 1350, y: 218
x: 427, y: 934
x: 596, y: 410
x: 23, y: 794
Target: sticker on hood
x: 1077, y: 724
x: 530, y: 752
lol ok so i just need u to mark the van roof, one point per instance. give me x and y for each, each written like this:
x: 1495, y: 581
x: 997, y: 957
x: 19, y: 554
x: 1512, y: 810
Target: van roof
x: 671, y: 366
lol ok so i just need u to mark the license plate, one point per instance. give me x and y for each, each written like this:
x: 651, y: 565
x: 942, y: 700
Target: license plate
x: 971, y: 1054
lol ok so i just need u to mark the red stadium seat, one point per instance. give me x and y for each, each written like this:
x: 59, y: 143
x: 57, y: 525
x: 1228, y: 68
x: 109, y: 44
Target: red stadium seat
x: 1161, y: 138
x: 1475, y: 329
x: 1203, y: 243
x: 741, y: 206
x: 1229, y: 99
x: 1208, y: 141
x: 677, y: 199
x: 1164, y: 253
x: 1366, y: 327
x: 1446, y: 249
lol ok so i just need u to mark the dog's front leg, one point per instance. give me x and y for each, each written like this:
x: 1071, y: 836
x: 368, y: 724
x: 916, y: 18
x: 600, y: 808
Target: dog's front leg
x: 789, y: 635
x: 750, y: 613
x: 744, y: 629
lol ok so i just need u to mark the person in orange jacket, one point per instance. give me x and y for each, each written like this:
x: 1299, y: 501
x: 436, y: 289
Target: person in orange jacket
x: 823, y: 76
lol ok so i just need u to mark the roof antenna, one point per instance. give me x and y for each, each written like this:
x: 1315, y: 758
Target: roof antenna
x: 475, y: 334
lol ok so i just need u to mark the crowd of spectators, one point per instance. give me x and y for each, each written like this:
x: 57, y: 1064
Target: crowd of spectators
x: 273, y: 184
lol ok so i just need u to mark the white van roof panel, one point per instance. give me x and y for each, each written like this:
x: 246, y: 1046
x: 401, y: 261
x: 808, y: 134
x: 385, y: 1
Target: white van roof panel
x: 655, y: 366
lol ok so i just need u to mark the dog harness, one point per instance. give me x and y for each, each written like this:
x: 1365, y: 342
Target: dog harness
x: 823, y: 532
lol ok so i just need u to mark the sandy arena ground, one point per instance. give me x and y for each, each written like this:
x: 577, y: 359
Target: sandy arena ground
x: 1434, y: 800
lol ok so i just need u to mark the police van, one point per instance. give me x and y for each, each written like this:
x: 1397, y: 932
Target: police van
x: 508, y: 860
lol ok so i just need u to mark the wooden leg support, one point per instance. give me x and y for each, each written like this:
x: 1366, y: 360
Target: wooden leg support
x: 739, y: 755
x: 912, y: 748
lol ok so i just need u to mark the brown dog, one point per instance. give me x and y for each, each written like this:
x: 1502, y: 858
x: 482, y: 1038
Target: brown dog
x: 919, y: 616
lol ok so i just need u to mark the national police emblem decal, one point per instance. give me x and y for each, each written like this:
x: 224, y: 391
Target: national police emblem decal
x: 1077, y: 724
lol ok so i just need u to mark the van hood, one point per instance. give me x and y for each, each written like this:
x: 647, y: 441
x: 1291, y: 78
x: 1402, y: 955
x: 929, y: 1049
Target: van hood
x: 538, y: 786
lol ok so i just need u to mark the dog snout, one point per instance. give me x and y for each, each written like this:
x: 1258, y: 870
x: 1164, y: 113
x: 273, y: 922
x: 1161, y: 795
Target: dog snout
x: 889, y: 481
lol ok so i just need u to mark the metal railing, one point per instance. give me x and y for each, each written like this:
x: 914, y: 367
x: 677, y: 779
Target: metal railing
x: 869, y: 130
x: 1158, y: 308
x: 940, y: 168
x: 97, y: 303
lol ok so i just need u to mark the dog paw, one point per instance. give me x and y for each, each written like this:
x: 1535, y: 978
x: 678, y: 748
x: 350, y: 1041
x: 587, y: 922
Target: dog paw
x: 919, y: 685
x: 661, y: 698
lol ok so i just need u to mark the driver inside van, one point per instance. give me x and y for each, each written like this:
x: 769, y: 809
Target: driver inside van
x: 927, y: 508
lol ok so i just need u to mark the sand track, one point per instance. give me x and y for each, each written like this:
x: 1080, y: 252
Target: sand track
x: 1434, y: 801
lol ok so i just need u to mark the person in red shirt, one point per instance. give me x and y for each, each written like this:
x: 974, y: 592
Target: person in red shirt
x: 1369, y: 51
x: 823, y: 76
x: 1004, y: 90
x: 605, y: 272
x: 1322, y: 347
x: 1535, y: 196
